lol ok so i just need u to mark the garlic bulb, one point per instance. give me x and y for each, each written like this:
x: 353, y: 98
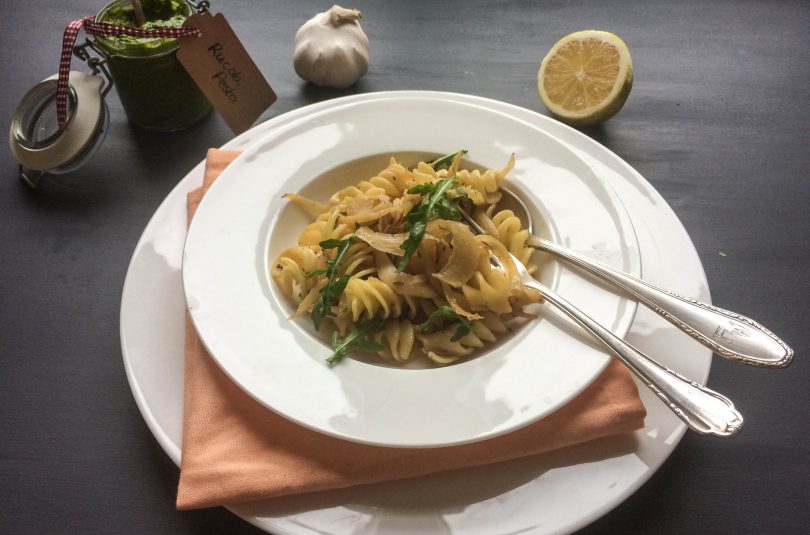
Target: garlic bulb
x: 331, y: 49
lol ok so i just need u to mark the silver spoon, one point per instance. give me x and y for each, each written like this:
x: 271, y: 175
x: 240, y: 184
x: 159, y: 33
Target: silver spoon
x: 702, y: 409
x: 730, y: 335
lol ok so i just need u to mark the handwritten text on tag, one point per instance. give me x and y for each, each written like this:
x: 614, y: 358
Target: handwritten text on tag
x: 224, y: 71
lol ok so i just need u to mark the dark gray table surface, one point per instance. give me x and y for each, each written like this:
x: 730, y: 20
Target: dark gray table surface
x: 718, y: 122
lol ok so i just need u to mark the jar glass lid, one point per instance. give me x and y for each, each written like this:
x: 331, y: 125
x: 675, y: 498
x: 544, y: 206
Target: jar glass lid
x: 37, y: 142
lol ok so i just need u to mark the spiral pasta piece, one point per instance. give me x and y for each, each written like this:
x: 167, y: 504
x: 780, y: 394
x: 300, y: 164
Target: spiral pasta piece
x: 488, y: 289
x: 327, y: 226
x: 398, y: 339
x: 394, y: 180
x: 441, y: 348
x: 367, y: 298
x: 359, y: 261
x: 484, y: 331
x: 424, y: 173
x: 484, y: 186
x: 511, y: 233
x: 290, y: 271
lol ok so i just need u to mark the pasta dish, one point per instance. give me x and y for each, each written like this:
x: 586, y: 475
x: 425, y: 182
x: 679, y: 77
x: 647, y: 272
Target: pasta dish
x: 392, y: 269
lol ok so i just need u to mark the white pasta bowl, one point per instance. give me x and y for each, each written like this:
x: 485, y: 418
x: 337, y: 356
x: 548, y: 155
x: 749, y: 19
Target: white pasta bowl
x: 243, y: 320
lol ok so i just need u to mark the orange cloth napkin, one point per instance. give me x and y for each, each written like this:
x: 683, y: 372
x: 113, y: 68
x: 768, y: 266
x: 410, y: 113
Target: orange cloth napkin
x: 235, y: 450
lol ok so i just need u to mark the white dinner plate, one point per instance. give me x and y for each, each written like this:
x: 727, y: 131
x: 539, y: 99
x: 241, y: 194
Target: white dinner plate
x: 556, y: 492
x: 242, y: 318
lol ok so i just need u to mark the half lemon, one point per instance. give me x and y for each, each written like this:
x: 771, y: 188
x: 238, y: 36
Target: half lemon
x: 586, y: 77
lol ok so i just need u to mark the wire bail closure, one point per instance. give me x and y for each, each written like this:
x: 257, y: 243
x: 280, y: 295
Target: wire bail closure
x: 97, y: 64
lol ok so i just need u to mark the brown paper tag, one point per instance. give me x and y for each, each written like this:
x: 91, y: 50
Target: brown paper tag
x: 226, y: 74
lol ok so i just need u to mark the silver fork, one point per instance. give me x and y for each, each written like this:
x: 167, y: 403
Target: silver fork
x: 702, y: 409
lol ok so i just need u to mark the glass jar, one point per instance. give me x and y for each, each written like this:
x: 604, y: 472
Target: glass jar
x: 155, y: 90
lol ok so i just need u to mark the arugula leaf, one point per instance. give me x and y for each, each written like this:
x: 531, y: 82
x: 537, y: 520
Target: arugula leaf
x: 436, y: 204
x: 445, y: 161
x: 332, y: 243
x: 446, y: 312
x: 335, y: 285
x: 358, y: 337
x: 315, y: 273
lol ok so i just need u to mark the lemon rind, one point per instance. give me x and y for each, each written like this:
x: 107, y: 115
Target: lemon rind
x: 611, y: 104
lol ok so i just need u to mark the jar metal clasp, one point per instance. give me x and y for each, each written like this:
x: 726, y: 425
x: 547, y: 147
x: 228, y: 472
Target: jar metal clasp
x: 98, y: 64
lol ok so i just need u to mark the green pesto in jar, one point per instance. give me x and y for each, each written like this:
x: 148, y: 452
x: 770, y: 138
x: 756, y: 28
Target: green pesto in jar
x: 156, y: 91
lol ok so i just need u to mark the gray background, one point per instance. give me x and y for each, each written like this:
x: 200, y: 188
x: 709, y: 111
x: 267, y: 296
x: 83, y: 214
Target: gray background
x: 718, y: 121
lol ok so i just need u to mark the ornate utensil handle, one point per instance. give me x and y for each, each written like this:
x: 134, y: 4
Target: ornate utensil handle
x: 702, y: 409
x: 730, y: 335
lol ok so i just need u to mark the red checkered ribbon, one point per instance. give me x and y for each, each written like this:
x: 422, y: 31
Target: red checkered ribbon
x: 103, y: 30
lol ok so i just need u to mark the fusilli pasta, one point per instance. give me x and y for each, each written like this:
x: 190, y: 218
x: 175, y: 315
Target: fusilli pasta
x: 394, y: 272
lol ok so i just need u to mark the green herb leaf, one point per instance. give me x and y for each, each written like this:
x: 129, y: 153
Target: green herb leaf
x: 335, y: 285
x: 445, y: 161
x: 358, y: 337
x: 435, y: 204
x: 332, y: 243
x: 318, y: 313
x: 447, y: 313
x: 367, y: 344
x: 315, y: 273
